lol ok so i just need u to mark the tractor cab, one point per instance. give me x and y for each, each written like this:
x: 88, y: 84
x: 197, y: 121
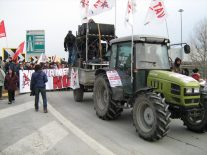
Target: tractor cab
x: 149, y: 53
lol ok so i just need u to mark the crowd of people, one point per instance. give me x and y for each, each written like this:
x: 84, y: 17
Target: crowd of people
x: 9, y: 74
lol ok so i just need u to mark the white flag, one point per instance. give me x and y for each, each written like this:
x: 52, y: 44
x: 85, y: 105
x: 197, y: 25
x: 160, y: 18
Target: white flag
x: 43, y: 58
x: 156, y: 12
x: 131, y: 9
x: 101, y: 6
x: 84, y: 10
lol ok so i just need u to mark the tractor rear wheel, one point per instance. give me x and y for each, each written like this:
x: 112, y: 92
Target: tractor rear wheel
x: 78, y: 94
x: 151, y: 116
x: 104, y: 106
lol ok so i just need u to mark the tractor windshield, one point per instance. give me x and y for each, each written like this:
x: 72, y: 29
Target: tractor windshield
x: 151, y: 56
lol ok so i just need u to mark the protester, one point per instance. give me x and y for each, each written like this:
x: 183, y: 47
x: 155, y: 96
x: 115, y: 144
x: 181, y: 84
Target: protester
x: 1, y: 63
x: 2, y: 77
x: 195, y: 74
x: 176, y: 66
x: 10, y: 84
x: 10, y: 65
x: 69, y: 45
x: 38, y: 80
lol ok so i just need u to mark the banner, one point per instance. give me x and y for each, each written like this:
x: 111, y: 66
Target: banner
x: 57, y: 79
x: 74, y: 84
x: 114, y: 78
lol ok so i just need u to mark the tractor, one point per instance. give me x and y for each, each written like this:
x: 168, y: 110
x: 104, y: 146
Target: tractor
x: 142, y: 80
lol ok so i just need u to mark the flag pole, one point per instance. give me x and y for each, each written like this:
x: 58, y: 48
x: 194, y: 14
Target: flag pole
x: 6, y: 43
x: 132, y: 43
x: 167, y: 28
x: 87, y: 29
x: 115, y: 20
x: 132, y: 47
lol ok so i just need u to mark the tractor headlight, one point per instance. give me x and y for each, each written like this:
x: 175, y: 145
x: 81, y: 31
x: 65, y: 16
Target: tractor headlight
x: 188, y: 90
x: 191, y: 91
x: 196, y: 90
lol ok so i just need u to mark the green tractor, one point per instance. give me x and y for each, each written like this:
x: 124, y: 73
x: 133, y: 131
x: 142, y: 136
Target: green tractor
x: 148, y: 87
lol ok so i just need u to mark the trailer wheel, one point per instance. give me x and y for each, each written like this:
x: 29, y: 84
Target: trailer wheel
x: 104, y: 106
x: 151, y: 116
x: 78, y: 94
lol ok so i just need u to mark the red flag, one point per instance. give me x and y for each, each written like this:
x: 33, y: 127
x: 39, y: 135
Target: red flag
x: 2, y: 29
x: 18, y: 51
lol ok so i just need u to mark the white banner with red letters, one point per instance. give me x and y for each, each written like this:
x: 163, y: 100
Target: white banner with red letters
x: 57, y: 79
x: 114, y: 78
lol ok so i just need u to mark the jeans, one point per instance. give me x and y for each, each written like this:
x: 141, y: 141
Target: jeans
x: 11, y: 95
x: 71, y: 56
x: 44, y: 98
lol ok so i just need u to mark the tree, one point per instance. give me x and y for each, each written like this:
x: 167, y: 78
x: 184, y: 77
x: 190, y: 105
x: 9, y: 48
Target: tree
x: 198, y: 43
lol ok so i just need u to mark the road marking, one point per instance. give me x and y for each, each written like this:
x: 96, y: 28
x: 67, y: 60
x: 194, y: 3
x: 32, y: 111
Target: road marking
x: 96, y: 146
x: 16, y: 109
x: 38, y: 142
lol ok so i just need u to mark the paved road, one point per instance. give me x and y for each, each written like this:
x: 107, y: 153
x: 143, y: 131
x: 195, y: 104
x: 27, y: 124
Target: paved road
x: 73, y: 128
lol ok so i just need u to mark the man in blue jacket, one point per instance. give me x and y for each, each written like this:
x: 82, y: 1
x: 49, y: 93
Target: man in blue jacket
x: 38, y: 80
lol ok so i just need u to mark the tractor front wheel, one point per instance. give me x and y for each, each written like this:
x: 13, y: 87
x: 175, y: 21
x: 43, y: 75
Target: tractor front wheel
x: 151, y: 116
x: 196, y: 124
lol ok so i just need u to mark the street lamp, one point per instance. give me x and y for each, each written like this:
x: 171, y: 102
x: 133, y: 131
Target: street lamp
x: 181, y: 28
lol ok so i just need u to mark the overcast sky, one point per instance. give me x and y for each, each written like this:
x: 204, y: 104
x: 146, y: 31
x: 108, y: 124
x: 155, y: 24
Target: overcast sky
x: 56, y: 17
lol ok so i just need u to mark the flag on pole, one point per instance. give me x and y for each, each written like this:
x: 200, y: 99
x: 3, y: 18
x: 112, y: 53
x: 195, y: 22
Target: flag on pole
x: 2, y: 29
x: 131, y: 9
x: 101, y: 6
x: 84, y: 4
x: 156, y: 12
x: 18, y: 51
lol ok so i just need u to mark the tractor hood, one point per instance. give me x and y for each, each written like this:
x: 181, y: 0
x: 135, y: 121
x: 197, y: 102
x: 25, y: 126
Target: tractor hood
x: 174, y: 78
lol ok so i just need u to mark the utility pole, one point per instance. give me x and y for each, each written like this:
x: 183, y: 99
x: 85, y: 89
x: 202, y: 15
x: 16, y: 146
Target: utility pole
x: 181, y: 32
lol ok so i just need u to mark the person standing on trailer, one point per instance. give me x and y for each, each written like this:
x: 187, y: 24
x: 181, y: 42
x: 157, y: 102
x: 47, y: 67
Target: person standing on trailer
x: 69, y: 45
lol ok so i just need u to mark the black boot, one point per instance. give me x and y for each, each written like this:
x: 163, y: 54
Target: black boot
x: 45, y: 110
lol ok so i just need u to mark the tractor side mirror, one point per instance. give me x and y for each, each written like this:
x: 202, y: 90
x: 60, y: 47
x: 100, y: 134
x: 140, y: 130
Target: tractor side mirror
x: 187, y: 49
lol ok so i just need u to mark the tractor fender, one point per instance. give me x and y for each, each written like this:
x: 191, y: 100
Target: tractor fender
x: 117, y: 92
x: 101, y: 71
x: 143, y: 90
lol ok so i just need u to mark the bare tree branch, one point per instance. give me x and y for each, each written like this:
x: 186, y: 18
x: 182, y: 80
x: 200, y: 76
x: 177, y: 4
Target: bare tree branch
x: 198, y: 43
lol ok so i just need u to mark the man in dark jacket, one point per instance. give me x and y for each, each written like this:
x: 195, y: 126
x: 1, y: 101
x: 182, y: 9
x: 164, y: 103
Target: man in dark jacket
x: 38, y: 80
x: 10, y: 65
x: 69, y: 45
